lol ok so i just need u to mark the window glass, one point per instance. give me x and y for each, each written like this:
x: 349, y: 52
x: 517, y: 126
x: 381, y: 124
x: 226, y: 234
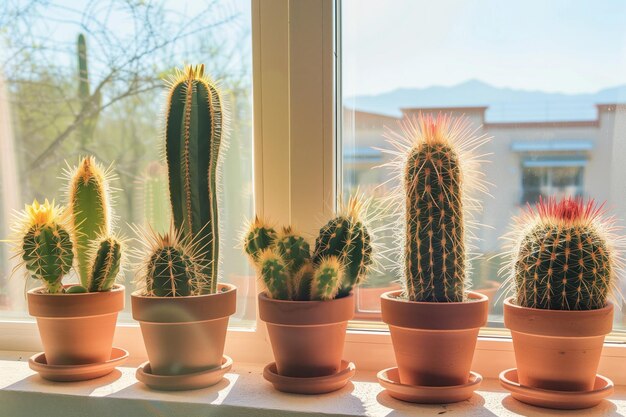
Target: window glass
x: 47, y: 119
x: 551, y: 92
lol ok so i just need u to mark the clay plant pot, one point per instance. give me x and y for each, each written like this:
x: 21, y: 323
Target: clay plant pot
x: 184, y: 335
x: 76, y: 329
x: 490, y: 290
x: 557, y: 349
x: 307, y: 337
x: 434, y: 342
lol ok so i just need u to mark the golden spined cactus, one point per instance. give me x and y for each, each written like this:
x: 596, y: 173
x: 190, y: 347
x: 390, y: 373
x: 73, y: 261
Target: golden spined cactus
x: 89, y: 207
x: 436, y: 165
x: 44, y: 245
x: 169, y: 265
x: 564, y: 255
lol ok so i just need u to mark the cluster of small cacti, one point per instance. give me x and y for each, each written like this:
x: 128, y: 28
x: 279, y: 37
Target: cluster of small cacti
x: 564, y: 256
x: 341, y: 259
x: 50, y: 238
x: 184, y: 260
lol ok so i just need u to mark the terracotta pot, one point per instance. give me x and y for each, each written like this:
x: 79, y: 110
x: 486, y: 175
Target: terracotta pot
x: 76, y: 329
x: 307, y: 337
x: 434, y: 342
x: 557, y: 349
x: 185, y: 335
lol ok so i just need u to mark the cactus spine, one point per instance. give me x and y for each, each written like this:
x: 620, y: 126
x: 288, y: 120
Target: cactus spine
x: 193, y: 137
x: 564, y: 256
x: 46, y: 246
x: 89, y: 210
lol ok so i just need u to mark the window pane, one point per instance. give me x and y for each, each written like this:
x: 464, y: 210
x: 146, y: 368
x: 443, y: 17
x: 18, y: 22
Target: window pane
x: 131, y: 47
x: 545, y: 79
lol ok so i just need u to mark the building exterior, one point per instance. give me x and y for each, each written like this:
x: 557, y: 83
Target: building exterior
x: 528, y: 160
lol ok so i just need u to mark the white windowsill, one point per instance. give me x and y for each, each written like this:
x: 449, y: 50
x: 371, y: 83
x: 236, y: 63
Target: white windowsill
x: 244, y: 392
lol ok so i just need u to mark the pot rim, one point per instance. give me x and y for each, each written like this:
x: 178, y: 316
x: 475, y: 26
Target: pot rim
x: 306, y: 312
x: 75, y: 305
x: 434, y: 316
x: 185, y: 309
x: 558, y: 323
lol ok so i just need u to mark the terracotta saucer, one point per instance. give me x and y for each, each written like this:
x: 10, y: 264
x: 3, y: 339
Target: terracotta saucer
x: 312, y: 385
x: 196, y: 380
x: 390, y: 380
x: 67, y: 373
x: 563, y: 400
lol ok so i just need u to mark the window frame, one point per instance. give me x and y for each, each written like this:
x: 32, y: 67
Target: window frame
x: 296, y: 96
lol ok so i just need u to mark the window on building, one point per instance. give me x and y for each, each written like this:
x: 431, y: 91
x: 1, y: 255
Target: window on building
x: 542, y: 182
x: 556, y: 118
x: 130, y: 47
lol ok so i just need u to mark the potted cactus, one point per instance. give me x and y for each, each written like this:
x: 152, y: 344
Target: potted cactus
x: 434, y: 321
x: 307, y: 298
x: 76, y: 322
x: 182, y: 310
x: 564, y: 263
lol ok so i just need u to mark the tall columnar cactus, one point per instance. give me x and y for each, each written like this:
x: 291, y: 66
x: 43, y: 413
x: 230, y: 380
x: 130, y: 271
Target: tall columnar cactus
x: 565, y: 255
x: 45, y: 246
x: 347, y: 238
x: 435, y: 156
x: 89, y: 210
x: 105, y: 263
x: 170, y: 264
x: 193, y: 138
x: 88, y: 104
x: 156, y: 206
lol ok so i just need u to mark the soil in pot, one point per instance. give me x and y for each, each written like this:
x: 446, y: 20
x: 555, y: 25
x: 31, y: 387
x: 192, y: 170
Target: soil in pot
x: 434, y: 342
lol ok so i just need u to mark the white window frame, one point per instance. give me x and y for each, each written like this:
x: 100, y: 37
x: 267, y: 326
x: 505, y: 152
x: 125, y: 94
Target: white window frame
x: 296, y: 178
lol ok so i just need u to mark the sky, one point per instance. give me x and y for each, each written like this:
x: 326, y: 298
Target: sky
x: 569, y: 46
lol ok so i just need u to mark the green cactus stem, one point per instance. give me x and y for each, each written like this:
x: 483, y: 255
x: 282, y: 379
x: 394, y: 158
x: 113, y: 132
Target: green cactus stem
x: 170, y: 273
x: 89, y: 105
x: 564, y: 258
x: 260, y: 236
x: 301, y: 282
x: 327, y: 279
x: 193, y: 138
x: 293, y: 248
x: 105, y: 264
x: 89, y: 209
x: 346, y: 237
x: 275, y: 276
x: 156, y: 206
x: 46, y: 246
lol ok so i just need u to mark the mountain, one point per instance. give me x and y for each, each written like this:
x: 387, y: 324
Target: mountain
x: 504, y: 104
